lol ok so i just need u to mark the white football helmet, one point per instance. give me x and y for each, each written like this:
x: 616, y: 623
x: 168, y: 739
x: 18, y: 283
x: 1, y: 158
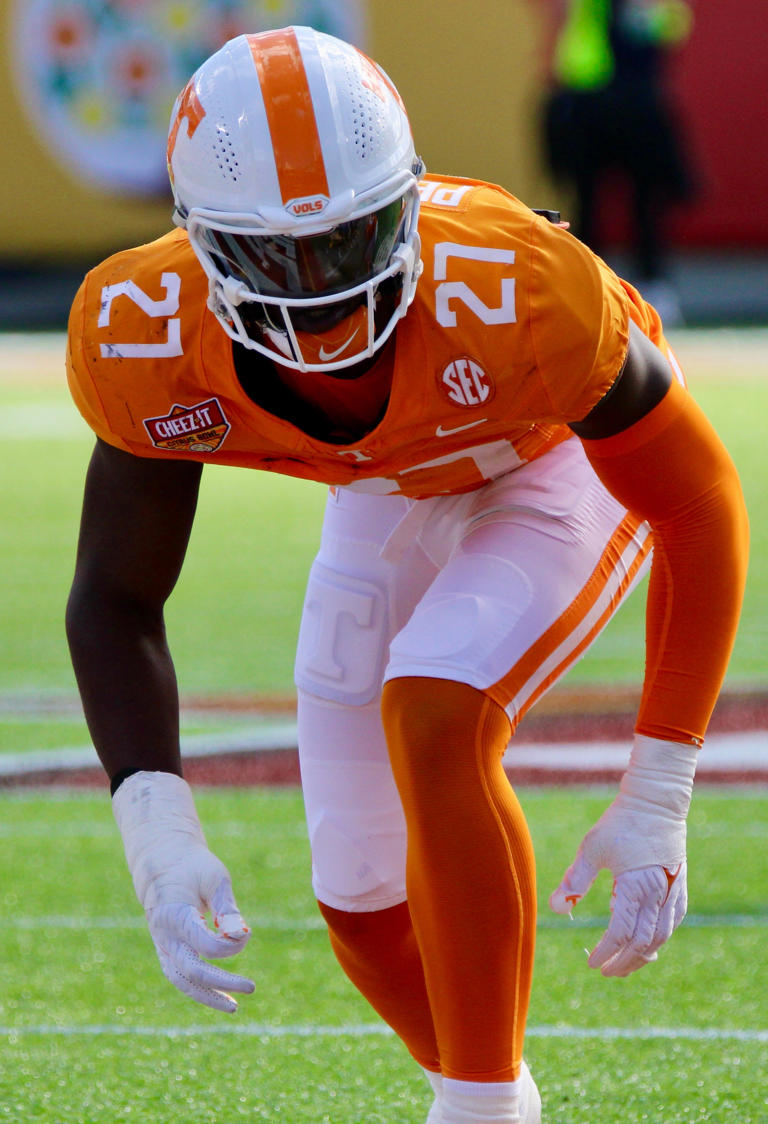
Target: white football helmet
x: 294, y: 173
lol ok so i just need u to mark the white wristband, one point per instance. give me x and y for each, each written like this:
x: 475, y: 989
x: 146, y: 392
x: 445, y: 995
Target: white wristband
x: 659, y: 776
x: 645, y: 825
x: 155, y: 812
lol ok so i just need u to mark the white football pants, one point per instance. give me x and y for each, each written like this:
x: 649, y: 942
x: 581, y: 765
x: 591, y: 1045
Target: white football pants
x: 502, y: 588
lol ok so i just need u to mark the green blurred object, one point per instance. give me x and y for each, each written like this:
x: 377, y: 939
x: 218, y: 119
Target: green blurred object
x: 583, y: 59
x: 665, y: 23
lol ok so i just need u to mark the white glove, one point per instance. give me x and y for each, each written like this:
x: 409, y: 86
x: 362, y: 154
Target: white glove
x: 640, y: 838
x: 177, y: 881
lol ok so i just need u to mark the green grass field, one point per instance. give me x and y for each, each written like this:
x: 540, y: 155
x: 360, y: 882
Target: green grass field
x: 234, y: 616
x: 92, y: 1033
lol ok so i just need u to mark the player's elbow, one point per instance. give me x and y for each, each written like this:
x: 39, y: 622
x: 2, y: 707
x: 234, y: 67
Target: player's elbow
x: 101, y: 617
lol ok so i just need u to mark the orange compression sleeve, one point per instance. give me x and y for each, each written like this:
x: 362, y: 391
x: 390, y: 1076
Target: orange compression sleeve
x: 379, y: 953
x: 470, y: 871
x: 671, y: 469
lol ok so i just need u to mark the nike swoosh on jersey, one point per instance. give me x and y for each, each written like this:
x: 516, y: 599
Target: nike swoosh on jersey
x: 327, y: 355
x: 440, y: 432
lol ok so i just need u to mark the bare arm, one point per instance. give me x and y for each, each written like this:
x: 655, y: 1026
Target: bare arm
x: 137, y: 517
x: 641, y: 385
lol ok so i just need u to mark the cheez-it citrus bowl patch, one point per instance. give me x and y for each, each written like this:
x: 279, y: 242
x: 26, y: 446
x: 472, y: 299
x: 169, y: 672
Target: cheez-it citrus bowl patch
x: 190, y: 429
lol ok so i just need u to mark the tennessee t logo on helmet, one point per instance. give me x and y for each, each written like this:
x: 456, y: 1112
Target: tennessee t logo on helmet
x: 188, y: 107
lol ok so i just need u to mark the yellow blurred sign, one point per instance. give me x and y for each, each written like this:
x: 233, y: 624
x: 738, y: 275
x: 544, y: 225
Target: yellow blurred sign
x: 83, y: 174
x: 99, y: 78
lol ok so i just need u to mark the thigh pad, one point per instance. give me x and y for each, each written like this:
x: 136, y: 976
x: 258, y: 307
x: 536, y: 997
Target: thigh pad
x: 343, y: 637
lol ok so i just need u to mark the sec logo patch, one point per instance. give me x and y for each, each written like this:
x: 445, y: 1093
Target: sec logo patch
x: 465, y: 383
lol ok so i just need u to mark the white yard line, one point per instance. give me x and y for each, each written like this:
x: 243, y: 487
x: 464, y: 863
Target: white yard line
x: 312, y: 924
x: 367, y: 1030
x: 745, y: 751
x: 740, y: 752
x: 262, y: 738
x: 48, y: 421
x: 721, y: 352
x: 35, y: 358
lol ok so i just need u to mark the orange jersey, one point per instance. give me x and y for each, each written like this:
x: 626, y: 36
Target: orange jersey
x: 516, y: 329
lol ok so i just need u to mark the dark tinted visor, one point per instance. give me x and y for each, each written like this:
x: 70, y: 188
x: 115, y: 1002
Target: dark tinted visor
x: 318, y: 264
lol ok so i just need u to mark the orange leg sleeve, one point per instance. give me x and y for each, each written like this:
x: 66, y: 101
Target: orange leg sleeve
x: 379, y: 954
x: 470, y: 871
x: 672, y: 469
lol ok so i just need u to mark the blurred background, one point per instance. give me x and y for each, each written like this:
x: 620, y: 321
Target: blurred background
x: 607, y: 110
x: 87, y: 88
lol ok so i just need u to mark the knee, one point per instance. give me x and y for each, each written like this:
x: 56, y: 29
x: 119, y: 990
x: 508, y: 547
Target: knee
x: 418, y: 715
x: 361, y: 933
x: 359, y: 867
x: 440, y: 734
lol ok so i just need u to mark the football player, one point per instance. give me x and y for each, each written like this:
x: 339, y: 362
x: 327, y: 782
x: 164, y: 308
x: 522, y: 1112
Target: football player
x: 506, y: 436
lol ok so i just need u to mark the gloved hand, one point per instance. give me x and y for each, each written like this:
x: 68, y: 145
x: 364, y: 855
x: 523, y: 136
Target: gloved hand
x: 178, y: 880
x: 640, y: 838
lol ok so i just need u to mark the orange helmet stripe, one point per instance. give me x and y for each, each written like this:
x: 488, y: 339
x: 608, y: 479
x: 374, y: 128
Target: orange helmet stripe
x: 290, y: 114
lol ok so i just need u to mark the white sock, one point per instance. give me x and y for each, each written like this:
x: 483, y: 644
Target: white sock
x: 436, y: 1081
x: 481, y: 1102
